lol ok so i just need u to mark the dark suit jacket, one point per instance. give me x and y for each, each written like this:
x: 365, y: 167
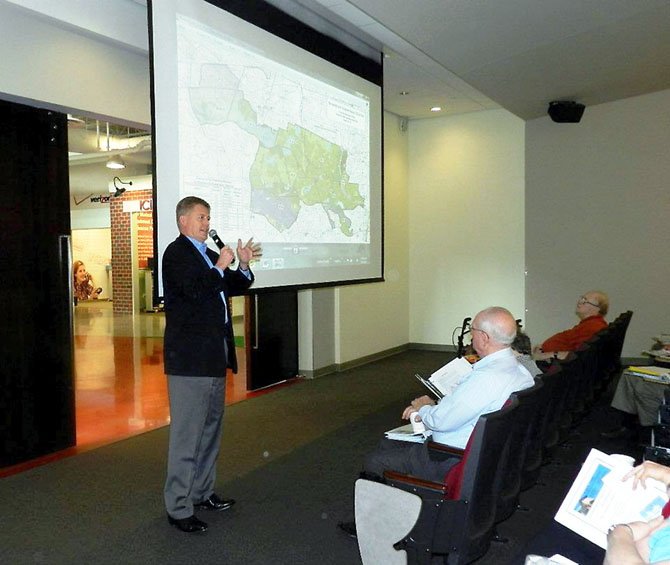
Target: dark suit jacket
x: 195, y: 328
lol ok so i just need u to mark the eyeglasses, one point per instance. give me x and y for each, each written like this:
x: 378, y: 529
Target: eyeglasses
x: 473, y: 329
x: 583, y: 300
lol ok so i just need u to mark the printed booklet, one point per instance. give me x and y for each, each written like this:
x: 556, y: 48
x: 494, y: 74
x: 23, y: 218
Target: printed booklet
x: 443, y: 381
x: 599, y: 498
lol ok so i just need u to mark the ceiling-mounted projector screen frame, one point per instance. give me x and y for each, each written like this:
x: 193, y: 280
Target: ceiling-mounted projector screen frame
x: 352, y: 256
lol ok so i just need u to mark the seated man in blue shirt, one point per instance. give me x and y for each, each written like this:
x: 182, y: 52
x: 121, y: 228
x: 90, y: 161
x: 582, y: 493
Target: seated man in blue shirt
x: 486, y: 389
x: 493, y: 379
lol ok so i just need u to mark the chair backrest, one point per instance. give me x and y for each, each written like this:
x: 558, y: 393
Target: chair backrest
x: 572, y: 368
x: 453, y: 480
x: 534, y: 440
x: 525, y: 422
x: 553, y: 379
x: 618, y: 338
x: 595, y: 362
x: 464, y: 530
x: 605, y: 363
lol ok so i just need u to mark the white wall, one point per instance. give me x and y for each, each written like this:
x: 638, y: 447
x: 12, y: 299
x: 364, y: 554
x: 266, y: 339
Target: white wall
x: 89, y: 218
x: 596, y: 195
x: 466, y: 221
x: 374, y: 317
x: 43, y: 61
x: 598, y: 216
x: 316, y: 331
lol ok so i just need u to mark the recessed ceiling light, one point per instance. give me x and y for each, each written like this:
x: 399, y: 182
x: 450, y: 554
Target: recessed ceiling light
x: 436, y: 109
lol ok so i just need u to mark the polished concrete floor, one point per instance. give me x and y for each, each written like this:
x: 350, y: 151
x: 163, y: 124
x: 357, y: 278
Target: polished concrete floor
x: 120, y: 388
x: 119, y: 382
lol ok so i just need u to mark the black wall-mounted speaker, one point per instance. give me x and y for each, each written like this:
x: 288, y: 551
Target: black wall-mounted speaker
x: 565, y: 111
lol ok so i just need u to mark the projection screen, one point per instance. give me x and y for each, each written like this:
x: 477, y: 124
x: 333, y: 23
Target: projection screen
x: 285, y: 146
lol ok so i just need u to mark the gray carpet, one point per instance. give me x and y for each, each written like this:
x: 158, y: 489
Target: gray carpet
x: 290, y: 458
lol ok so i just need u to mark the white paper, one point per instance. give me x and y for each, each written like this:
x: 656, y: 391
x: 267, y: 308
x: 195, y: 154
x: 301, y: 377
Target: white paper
x: 406, y: 433
x: 599, y: 498
x: 448, y: 377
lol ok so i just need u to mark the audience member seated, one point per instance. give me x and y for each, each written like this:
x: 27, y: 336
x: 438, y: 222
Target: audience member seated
x: 591, y: 310
x: 635, y: 405
x: 637, y: 543
x: 522, y: 349
x: 486, y: 389
x: 642, y: 542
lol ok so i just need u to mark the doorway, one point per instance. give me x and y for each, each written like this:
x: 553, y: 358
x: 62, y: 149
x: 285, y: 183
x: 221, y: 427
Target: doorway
x: 120, y: 388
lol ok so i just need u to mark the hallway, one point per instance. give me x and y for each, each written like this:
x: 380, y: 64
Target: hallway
x: 120, y: 388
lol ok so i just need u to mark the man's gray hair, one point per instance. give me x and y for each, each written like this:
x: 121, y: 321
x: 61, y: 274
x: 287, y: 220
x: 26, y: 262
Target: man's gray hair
x: 499, y: 324
x: 185, y: 205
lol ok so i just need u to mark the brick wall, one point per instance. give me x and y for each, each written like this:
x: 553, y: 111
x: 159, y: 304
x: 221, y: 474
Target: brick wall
x: 122, y: 267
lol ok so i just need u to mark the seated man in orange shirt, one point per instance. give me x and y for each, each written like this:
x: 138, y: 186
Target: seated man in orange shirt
x: 591, y: 309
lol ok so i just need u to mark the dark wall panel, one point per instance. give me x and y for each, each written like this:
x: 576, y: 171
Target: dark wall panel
x: 271, y: 338
x: 36, y: 365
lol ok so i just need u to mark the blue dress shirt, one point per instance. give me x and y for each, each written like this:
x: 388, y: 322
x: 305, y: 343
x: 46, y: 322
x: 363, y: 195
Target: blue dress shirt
x: 486, y: 389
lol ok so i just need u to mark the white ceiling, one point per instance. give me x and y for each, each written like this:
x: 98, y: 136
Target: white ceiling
x: 470, y: 55
x: 473, y: 55
x: 90, y: 148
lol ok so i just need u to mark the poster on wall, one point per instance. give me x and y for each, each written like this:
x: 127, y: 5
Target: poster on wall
x: 145, y: 239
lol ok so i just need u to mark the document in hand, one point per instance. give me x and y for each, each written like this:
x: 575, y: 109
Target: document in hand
x: 599, y: 498
x: 444, y: 381
x: 406, y: 433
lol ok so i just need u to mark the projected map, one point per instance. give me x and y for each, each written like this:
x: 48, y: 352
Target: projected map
x: 279, y: 154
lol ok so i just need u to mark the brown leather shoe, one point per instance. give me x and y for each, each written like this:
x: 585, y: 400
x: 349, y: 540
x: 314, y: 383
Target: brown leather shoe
x: 189, y: 525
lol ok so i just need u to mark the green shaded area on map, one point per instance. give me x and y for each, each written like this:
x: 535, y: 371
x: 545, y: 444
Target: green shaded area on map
x: 293, y: 167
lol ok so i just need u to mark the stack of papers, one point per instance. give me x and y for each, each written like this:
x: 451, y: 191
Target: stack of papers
x: 660, y: 355
x: 651, y: 373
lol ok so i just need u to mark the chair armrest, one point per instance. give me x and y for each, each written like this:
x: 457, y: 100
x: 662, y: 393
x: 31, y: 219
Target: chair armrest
x: 449, y: 450
x: 415, y: 485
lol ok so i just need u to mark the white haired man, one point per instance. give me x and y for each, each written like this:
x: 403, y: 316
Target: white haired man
x: 493, y: 379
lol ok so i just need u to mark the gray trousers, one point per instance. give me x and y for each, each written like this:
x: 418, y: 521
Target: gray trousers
x: 196, y: 425
x: 406, y: 457
x: 634, y: 395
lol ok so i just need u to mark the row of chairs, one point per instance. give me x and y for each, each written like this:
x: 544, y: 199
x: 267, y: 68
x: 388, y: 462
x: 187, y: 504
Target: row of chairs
x: 410, y: 520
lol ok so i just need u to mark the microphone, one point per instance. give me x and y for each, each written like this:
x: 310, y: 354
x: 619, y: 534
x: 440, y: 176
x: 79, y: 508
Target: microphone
x: 219, y: 243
